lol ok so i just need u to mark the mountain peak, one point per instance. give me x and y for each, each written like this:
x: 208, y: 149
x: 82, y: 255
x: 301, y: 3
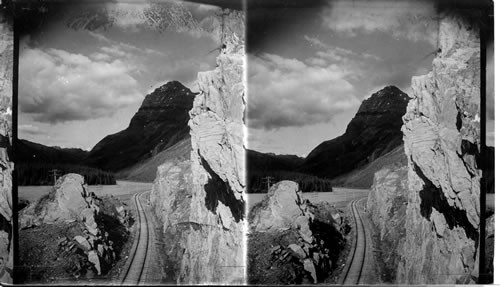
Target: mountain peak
x: 171, y: 93
x: 390, y: 98
x: 374, y: 131
x: 172, y: 85
x: 160, y: 122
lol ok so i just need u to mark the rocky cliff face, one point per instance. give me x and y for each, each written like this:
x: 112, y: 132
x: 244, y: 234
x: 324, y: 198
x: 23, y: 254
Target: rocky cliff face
x: 387, y: 204
x: 441, y: 136
x: 6, y: 165
x: 200, y: 201
x: 374, y: 131
x: 160, y: 122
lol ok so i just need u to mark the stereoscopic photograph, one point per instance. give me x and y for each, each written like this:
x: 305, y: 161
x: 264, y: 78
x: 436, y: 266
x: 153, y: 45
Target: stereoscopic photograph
x: 365, y: 158
x: 257, y: 142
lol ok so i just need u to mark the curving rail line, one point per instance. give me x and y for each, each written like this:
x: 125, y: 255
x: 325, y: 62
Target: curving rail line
x: 354, y: 268
x: 134, y: 272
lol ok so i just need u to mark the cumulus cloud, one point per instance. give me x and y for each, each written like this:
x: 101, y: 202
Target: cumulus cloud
x: 412, y: 20
x: 121, y: 49
x: 29, y: 130
x: 58, y: 86
x: 286, y: 92
x: 336, y: 54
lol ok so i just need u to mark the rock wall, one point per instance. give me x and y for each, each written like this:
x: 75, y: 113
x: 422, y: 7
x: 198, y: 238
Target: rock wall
x: 387, y: 202
x: 441, y: 136
x: 200, y: 201
x: 6, y: 165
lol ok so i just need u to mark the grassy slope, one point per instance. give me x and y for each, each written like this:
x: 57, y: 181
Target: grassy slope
x: 363, y: 177
x: 146, y: 171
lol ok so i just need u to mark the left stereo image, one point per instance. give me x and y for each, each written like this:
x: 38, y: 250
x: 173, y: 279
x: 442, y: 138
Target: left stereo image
x: 130, y: 143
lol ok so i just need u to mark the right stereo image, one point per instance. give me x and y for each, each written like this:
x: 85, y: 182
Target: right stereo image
x: 370, y: 142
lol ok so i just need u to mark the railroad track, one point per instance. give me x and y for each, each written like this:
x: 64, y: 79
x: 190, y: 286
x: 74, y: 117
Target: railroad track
x: 355, y: 265
x: 135, y: 270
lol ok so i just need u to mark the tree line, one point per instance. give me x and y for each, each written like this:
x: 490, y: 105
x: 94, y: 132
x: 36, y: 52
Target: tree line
x: 258, y: 182
x: 43, y: 173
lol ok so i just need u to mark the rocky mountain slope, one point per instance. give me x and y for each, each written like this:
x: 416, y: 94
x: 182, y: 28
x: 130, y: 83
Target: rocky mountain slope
x: 199, y: 201
x: 160, y: 122
x: 363, y: 177
x: 374, y: 131
x: 145, y: 171
x: 439, y: 239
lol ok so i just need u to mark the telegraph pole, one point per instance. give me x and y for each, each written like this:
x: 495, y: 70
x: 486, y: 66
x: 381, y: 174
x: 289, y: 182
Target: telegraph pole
x: 269, y: 179
x: 54, y: 173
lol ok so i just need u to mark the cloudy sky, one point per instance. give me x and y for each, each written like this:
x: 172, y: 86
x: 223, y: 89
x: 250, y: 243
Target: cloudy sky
x: 77, y: 85
x: 310, y: 68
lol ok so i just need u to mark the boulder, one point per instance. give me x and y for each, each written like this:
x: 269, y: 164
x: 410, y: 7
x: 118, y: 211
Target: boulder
x: 279, y: 210
x: 94, y: 259
x: 299, y: 252
x: 70, y: 195
x: 309, y: 267
x: 83, y: 242
x: 67, y: 201
x: 302, y: 224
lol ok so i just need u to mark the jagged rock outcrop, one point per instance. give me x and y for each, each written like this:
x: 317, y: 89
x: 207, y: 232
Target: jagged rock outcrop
x: 374, y: 131
x: 70, y: 201
x: 6, y: 165
x: 200, y: 201
x: 387, y: 202
x: 441, y: 136
x: 305, y: 238
x: 160, y: 122
x: 279, y: 210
